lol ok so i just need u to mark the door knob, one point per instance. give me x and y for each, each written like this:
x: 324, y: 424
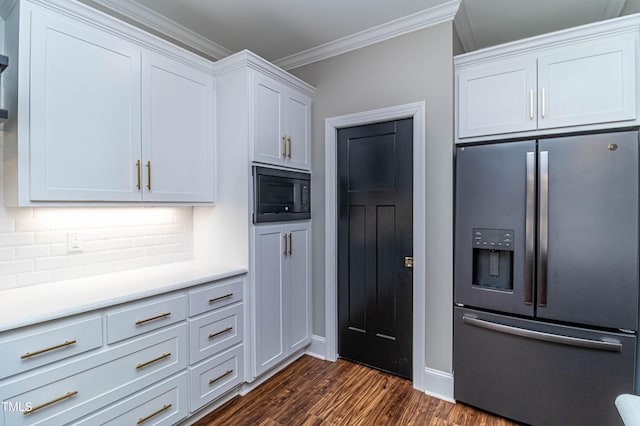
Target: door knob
x: 408, y: 261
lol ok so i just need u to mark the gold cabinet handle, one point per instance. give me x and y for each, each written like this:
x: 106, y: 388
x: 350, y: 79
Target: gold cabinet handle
x: 284, y: 237
x: 157, y: 317
x: 160, y: 358
x: 149, y: 175
x: 290, y: 244
x: 220, y: 377
x: 289, y: 140
x: 543, y: 102
x: 284, y: 146
x: 155, y: 413
x: 53, y: 401
x: 226, y: 330
x: 41, y: 351
x: 531, y: 104
x: 216, y: 299
x: 138, y: 165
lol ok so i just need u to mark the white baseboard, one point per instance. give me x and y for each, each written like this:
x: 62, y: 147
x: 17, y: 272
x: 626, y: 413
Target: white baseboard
x: 317, y: 348
x: 438, y: 384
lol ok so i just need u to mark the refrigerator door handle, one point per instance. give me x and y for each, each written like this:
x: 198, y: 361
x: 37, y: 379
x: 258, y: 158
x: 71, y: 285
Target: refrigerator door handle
x: 543, y: 242
x: 530, y: 217
x: 611, y: 346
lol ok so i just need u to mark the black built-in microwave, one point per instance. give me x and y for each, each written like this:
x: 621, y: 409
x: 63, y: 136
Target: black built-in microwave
x: 280, y: 195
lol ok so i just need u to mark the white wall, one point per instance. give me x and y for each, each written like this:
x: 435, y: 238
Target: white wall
x: 33, y: 241
x: 410, y: 68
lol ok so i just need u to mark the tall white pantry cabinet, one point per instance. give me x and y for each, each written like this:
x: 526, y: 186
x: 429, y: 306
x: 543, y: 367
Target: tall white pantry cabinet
x: 264, y: 117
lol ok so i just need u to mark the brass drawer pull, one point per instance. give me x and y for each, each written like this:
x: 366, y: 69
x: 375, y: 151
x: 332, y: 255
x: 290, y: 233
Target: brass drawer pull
x: 155, y: 413
x: 160, y: 358
x: 138, y: 165
x: 46, y: 404
x: 41, y: 351
x: 226, y: 330
x: 222, y: 376
x: 226, y: 296
x: 161, y: 316
x: 149, y: 175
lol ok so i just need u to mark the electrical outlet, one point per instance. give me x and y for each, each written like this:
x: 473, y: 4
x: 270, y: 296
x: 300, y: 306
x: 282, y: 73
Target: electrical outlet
x: 74, y: 240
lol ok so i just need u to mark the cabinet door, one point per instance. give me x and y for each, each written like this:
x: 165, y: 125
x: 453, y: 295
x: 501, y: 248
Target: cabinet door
x: 497, y: 97
x: 85, y: 112
x: 268, y: 121
x: 269, y: 348
x: 298, y: 301
x: 298, y: 130
x: 177, y: 131
x: 587, y: 83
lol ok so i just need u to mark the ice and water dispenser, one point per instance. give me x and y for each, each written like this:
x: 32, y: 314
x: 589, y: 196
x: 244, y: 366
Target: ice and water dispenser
x: 493, y: 258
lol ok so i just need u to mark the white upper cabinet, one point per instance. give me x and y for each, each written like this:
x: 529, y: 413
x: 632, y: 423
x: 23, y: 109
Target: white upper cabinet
x: 85, y: 112
x: 177, y: 131
x: 282, y: 124
x: 590, y: 82
x: 497, y: 97
x: 106, y: 112
x: 575, y: 80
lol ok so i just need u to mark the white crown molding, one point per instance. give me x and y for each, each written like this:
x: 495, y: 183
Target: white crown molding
x: 417, y: 21
x: 163, y: 25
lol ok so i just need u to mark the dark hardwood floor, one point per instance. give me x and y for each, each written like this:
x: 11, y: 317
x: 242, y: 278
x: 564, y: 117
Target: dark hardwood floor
x: 315, y: 392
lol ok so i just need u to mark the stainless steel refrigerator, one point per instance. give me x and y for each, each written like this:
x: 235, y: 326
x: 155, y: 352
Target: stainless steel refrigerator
x: 546, y: 277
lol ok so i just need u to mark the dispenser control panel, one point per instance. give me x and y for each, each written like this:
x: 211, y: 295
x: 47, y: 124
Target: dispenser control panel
x: 493, y: 239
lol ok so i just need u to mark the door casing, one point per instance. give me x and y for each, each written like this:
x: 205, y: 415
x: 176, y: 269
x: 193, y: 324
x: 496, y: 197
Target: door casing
x: 416, y: 111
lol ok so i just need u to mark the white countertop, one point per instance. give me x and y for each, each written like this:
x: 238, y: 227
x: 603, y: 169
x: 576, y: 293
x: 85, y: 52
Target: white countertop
x: 33, y: 304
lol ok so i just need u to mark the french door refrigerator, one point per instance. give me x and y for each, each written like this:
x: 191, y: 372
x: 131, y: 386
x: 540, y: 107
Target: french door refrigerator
x: 546, y: 277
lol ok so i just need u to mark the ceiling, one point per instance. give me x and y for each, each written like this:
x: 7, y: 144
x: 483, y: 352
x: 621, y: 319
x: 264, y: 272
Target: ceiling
x: 291, y: 33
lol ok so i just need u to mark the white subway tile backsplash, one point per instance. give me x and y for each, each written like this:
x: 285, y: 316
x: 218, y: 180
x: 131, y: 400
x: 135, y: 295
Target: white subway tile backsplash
x: 34, y: 249
x: 16, y: 239
x: 31, y: 252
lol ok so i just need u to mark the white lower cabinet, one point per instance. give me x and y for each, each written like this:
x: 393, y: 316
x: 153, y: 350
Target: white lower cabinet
x: 141, y: 362
x: 162, y: 404
x: 282, y: 292
x: 216, y: 376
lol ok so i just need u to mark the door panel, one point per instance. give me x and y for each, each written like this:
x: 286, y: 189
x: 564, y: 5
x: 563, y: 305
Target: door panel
x: 299, y: 286
x: 298, y: 129
x: 85, y: 113
x: 497, y: 97
x: 177, y: 131
x: 491, y: 203
x: 269, y: 291
x: 268, y: 116
x: 591, y: 276
x: 536, y: 381
x: 375, y: 233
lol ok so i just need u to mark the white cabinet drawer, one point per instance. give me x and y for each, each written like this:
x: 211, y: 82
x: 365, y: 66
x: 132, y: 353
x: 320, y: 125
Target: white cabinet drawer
x: 162, y: 404
x: 213, y: 378
x: 214, y: 332
x: 63, y: 394
x: 141, y: 317
x: 30, y: 347
x: 217, y: 295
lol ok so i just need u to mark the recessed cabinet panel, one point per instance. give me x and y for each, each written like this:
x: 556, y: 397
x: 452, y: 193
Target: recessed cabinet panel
x: 298, y: 128
x: 177, y: 131
x: 269, y: 138
x: 497, y: 97
x: 588, y: 83
x: 299, y: 302
x: 85, y: 113
x: 269, y: 291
